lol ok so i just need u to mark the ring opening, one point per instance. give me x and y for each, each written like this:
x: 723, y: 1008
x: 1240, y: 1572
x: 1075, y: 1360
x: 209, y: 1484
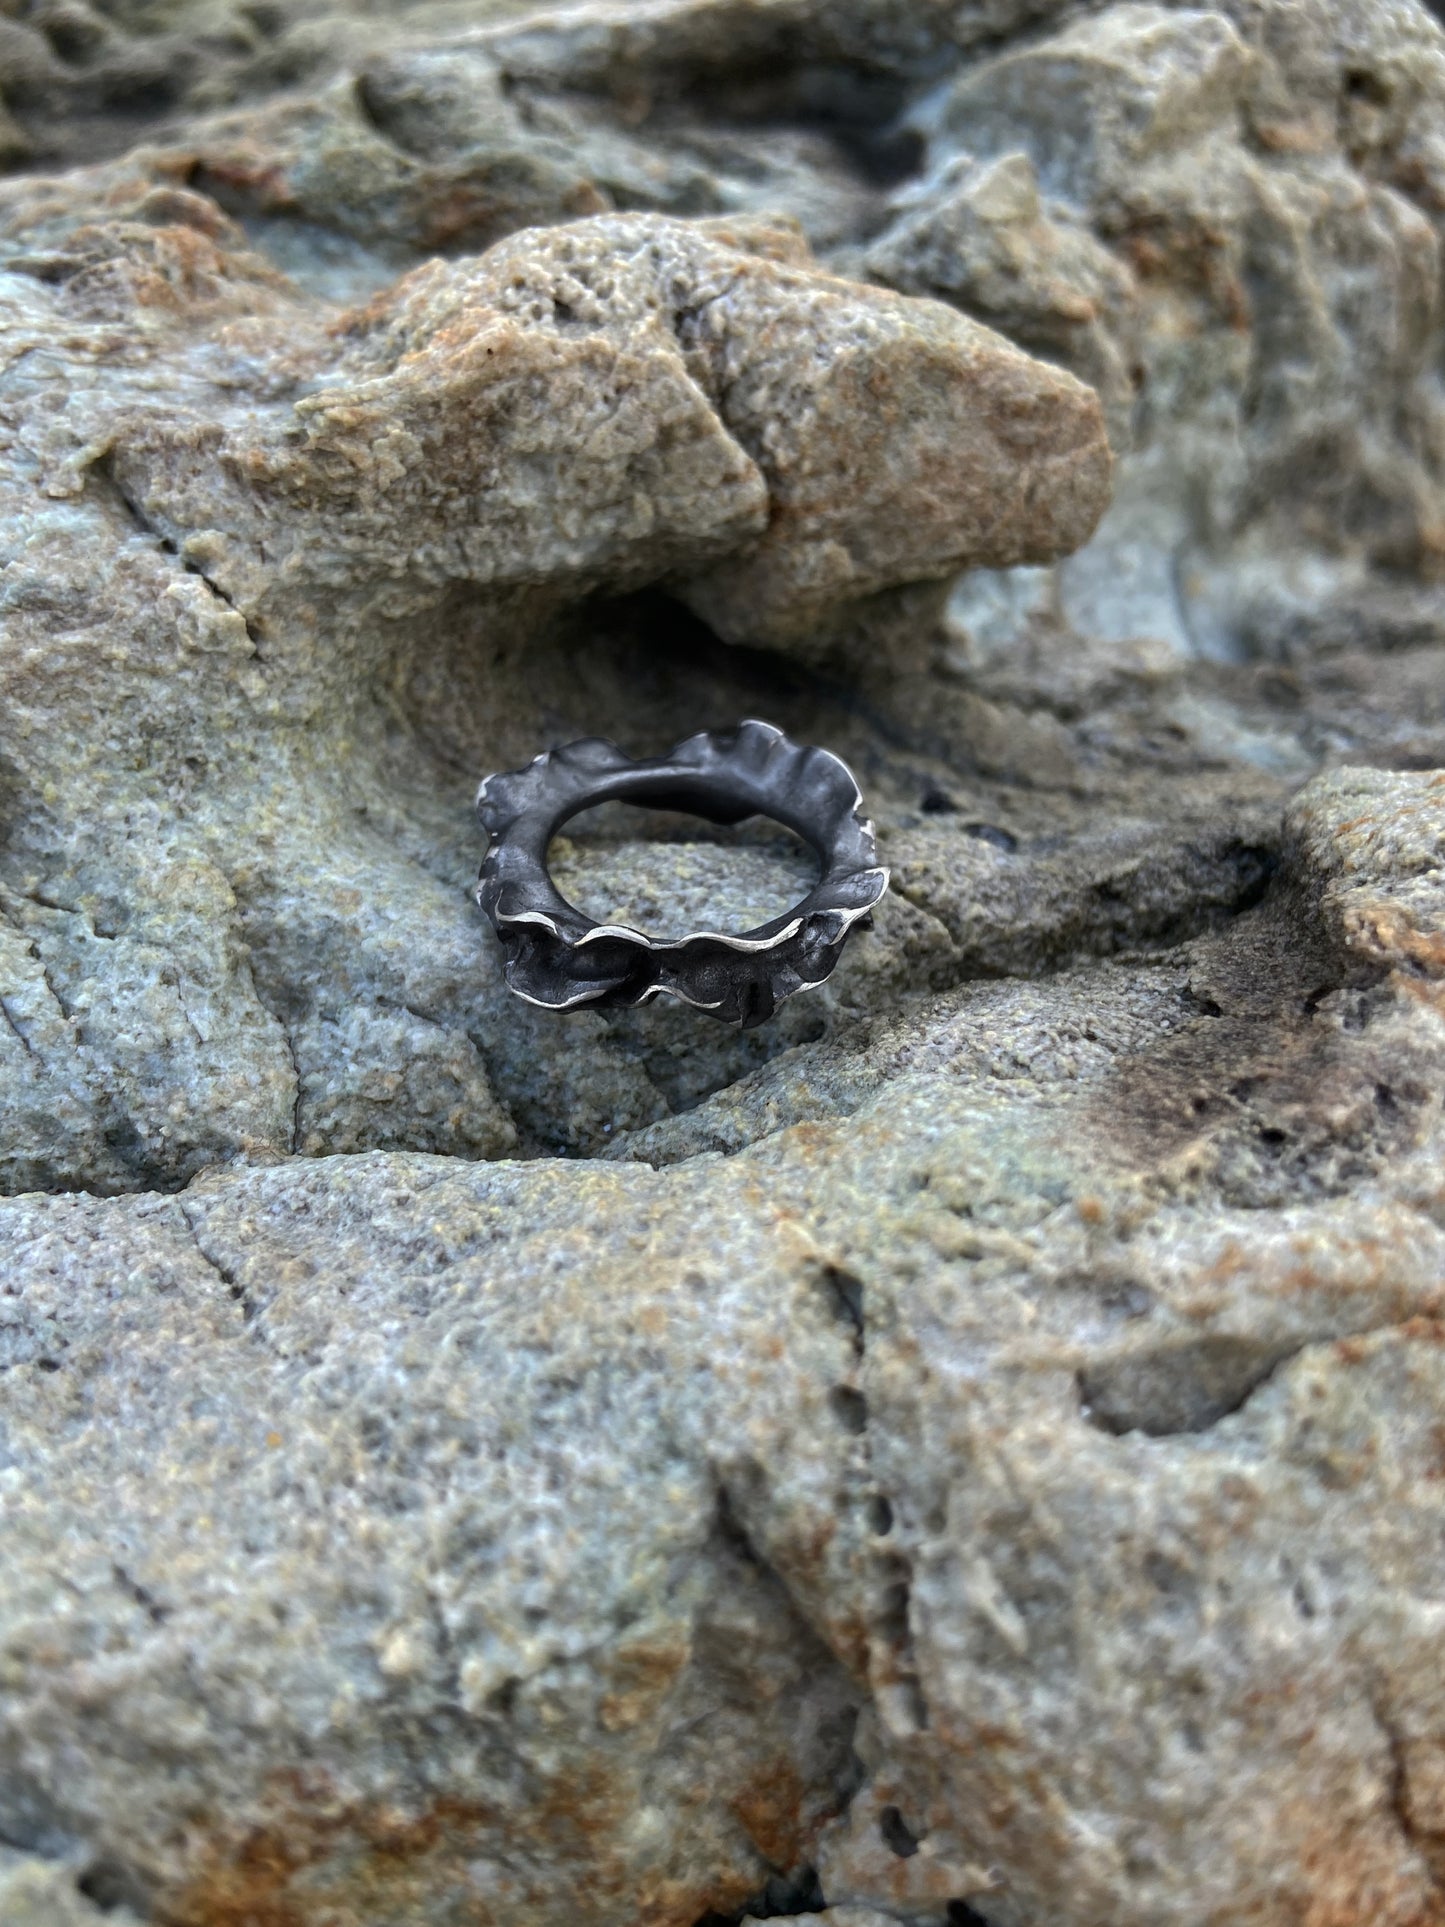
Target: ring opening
x: 671, y: 873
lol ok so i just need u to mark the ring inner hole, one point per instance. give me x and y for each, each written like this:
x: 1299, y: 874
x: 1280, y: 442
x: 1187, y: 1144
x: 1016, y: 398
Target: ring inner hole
x: 670, y: 874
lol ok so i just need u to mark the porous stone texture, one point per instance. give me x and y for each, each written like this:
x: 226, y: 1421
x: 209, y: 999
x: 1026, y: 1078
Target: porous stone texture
x: 967, y: 1451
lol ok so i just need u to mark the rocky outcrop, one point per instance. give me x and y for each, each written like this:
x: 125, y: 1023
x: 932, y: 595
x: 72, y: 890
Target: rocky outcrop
x: 965, y: 1451
x: 978, y: 1489
x: 287, y: 545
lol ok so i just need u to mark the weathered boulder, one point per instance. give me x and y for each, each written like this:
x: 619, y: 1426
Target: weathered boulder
x: 612, y: 403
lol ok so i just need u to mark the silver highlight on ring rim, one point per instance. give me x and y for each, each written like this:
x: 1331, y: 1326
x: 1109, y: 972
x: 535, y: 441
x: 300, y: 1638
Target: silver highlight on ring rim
x: 559, y: 959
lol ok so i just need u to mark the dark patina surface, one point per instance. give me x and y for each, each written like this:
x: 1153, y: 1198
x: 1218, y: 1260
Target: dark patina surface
x: 562, y: 960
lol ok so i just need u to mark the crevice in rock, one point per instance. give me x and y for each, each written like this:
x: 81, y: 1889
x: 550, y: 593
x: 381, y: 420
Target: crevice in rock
x: 894, y: 1668
x: 780, y: 1898
x: 102, y: 471
x: 845, y: 1295
x: 1398, y: 1784
x: 148, y: 1603
x: 37, y: 958
x: 1175, y: 1391
x: 287, y: 1039
x: 109, y: 1886
x: 12, y: 1026
x: 1179, y: 1391
x: 252, y: 633
x: 734, y: 1533
x: 228, y: 1278
x: 49, y: 982
x: 103, y: 478
x: 898, y: 1836
x: 850, y: 1408
x: 788, y: 1884
x: 892, y: 1660
x: 290, y: 1042
x: 372, y: 109
x: 1131, y: 915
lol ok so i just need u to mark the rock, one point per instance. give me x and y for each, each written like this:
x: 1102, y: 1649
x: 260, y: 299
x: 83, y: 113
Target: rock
x: 36, y: 1893
x: 979, y: 234
x: 245, y: 524
x: 1176, y: 202
x: 423, y: 1631
x: 1374, y: 842
x: 700, y: 400
x: 411, y: 151
x: 840, y: 1917
x: 967, y: 1451
x: 1107, y: 96
x: 487, y: 1536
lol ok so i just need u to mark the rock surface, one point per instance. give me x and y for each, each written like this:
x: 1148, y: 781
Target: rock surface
x: 968, y: 1451
x: 978, y: 1487
x: 300, y: 536
x: 40, y: 1893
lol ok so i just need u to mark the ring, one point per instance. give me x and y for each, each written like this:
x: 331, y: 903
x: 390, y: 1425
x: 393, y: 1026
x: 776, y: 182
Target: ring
x: 556, y: 957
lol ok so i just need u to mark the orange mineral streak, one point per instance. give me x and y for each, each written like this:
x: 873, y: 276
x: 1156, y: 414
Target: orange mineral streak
x: 251, y: 175
x: 382, y: 1861
x: 1362, y: 1878
x: 770, y: 1811
x: 642, y: 1676
x: 1383, y: 931
x: 321, y: 1862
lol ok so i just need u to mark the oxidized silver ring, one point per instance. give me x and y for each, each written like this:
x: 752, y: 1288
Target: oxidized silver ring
x: 558, y: 958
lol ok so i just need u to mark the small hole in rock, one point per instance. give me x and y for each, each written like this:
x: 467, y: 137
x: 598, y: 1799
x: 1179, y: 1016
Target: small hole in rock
x: 75, y: 37
x: 782, y: 1898
x: 1361, y: 85
x: 846, y: 1295
x: 850, y: 1408
x: 898, y: 1837
x: 880, y: 1515
x: 503, y: 1699
x: 991, y: 833
x: 107, y: 1886
x: 141, y: 89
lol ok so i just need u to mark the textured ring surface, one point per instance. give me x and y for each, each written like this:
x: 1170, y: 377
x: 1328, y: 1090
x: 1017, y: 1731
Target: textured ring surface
x: 558, y: 958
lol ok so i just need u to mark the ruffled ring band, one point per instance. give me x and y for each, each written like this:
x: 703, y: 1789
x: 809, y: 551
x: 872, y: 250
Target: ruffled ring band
x: 556, y: 957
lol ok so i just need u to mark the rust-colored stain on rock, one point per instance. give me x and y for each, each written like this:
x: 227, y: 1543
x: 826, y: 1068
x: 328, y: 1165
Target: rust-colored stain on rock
x: 383, y: 1861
